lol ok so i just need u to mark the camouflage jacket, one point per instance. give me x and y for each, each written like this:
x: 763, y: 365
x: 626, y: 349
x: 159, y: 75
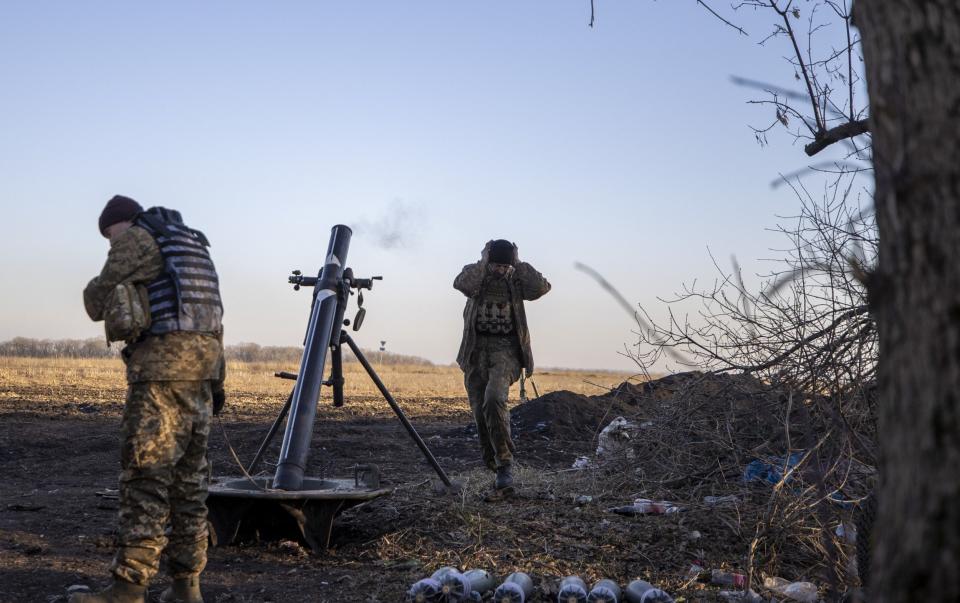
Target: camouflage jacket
x: 525, y: 284
x: 179, y: 356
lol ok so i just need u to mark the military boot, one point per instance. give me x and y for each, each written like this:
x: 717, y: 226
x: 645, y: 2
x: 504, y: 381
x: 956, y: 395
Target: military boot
x: 183, y: 590
x: 118, y: 592
x: 504, y: 478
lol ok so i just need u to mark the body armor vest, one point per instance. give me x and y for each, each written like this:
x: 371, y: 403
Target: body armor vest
x: 494, y: 310
x: 186, y: 296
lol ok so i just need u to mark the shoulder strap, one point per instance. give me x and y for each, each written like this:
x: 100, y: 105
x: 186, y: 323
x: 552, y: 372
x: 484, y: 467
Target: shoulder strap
x: 157, y: 221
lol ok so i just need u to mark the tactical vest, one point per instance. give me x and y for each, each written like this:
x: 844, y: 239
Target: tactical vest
x: 186, y: 296
x: 494, y: 308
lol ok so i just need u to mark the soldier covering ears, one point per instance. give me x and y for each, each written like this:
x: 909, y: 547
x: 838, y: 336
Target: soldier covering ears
x: 496, y: 345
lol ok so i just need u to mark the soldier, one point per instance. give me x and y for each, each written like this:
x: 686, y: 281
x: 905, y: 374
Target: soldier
x: 175, y: 372
x: 496, y: 345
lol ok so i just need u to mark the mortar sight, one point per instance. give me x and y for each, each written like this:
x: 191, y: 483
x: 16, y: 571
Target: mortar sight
x: 297, y: 279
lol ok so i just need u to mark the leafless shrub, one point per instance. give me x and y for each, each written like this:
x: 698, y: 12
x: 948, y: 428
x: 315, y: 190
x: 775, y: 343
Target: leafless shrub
x: 806, y: 344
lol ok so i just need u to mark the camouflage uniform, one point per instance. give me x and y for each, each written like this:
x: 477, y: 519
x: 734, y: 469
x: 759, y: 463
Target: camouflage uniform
x: 166, y: 423
x: 495, y: 348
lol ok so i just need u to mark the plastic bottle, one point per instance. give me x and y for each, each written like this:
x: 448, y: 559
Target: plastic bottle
x: 517, y: 588
x: 696, y: 572
x: 425, y: 591
x: 572, y: 590
x: 604, y: 591
x: 641, y: 591
x: 722, y: 578
x: 480, y: 580
x: 454, y: 585
x: 805, y: 592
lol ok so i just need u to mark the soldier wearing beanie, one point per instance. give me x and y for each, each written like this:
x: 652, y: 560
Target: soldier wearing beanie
x: 118, y: 210
x: 496, y: 345
x: 175, y: 372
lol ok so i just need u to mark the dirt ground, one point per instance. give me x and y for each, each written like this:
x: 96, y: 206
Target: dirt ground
x: 59, y: 454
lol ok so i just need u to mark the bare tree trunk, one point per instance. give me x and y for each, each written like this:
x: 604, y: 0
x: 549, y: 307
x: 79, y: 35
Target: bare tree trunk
x: 912, y: 54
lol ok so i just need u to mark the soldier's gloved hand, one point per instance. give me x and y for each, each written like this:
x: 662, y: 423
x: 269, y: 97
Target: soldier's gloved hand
x: 219, y: 399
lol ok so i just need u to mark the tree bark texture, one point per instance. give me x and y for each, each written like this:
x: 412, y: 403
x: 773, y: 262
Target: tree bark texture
x: 912, y: 54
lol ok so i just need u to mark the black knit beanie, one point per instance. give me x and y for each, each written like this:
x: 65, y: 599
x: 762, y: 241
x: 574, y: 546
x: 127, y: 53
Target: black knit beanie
x: 501, y: 252
x: 118, y: 209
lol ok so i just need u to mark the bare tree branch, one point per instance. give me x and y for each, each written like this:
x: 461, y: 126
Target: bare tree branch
x: 828, y: 137
x: 715, y: 14
x: 609, y: 288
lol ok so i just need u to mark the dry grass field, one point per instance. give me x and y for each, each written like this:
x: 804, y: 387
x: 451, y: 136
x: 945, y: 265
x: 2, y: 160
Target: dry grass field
x: 102, y: 379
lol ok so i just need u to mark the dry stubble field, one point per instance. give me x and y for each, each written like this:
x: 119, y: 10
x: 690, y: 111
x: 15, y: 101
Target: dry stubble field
x: 59, y: 448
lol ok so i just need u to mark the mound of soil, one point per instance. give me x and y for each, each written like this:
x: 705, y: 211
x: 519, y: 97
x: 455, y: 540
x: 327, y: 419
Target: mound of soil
x: 566, y: 416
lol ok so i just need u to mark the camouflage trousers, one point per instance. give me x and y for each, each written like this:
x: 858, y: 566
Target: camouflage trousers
x: 164, y: 480
x: 494, y: 366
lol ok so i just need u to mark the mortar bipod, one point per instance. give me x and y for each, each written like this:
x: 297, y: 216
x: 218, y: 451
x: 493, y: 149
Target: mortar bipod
x: 336, y: 381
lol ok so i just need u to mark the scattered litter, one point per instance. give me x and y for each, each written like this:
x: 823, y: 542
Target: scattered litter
x: 19, y: 507
x: 847, y: 531
x: 771, y: 472
x: 694, y: 536
x: 804, y: 592
x: 583, y: 500
x: 402, y: 564
x: 741, y: 596
x: 582, y: 462
x: 645, y: 506
x: 721, y: 501
x: 615, y: 438
x: 108, y: 493
x: 698, y: 573
x: 722, y: 578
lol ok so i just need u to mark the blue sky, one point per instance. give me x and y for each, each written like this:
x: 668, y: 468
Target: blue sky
x: 624, y: 146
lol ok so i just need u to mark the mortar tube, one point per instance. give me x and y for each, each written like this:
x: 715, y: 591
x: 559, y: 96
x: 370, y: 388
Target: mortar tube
x: 572, y: 590
x: 517, y: 588
x: 604, y: 591
x: 306, y: 393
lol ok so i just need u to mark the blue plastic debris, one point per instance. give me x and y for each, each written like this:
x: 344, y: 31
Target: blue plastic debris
x: 771, y: 472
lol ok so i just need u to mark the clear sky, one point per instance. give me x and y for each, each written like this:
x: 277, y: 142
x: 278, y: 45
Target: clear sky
x: 625, y: 147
